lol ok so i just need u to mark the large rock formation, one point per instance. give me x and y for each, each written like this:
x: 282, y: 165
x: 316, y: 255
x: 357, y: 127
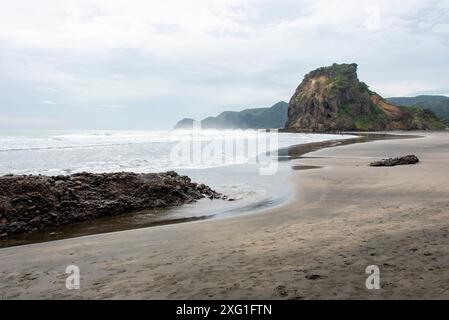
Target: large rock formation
x: 333, y: 99
x: 30, y: 203
x: 259, y: 118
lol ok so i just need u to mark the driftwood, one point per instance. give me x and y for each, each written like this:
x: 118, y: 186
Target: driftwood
x: 410, y: 159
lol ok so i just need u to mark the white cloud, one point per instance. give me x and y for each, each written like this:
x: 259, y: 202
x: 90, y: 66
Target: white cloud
x: 103, y: 107
x: 213, y: 54
x: 48, y: 102
x: 401, y: 88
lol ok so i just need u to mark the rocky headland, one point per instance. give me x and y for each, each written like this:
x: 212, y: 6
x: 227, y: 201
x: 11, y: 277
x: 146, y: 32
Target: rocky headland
x: 333, y: 99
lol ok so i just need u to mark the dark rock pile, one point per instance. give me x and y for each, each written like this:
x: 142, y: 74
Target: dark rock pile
x: 31, y: 203
x: 410, y: 159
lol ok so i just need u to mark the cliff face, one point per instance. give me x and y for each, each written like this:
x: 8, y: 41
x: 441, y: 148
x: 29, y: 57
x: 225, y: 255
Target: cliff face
x: 333, y: 99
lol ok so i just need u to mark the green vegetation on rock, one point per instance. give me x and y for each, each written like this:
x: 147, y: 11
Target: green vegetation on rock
x: 438, y: 104
x: 333, y: 99
x: 417, y: 116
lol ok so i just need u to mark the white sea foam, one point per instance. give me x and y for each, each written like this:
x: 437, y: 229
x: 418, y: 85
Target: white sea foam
x: 53, y: 153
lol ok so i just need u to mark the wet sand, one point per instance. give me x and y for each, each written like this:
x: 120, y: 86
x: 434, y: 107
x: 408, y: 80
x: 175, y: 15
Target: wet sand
x: 344, y: 217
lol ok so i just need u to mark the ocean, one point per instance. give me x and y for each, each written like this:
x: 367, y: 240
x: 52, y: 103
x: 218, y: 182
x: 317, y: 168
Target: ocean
x: 242, y: 175
x: 67, y: 152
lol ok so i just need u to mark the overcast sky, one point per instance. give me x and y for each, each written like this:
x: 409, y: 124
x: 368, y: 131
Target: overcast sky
x: 140, y: 64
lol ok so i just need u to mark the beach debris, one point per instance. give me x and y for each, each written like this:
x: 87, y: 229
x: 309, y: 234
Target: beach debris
x: 282, y: 291
x: 228, y: 198
x: 410, y: 159
x: 314, y: 277
x: 35, y: 202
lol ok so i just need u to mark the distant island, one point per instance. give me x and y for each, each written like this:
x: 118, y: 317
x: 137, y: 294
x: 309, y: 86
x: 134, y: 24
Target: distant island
x: 333, y: 99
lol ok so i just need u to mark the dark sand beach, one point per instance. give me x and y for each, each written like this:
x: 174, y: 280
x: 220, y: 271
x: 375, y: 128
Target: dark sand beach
x: 343, y: 217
